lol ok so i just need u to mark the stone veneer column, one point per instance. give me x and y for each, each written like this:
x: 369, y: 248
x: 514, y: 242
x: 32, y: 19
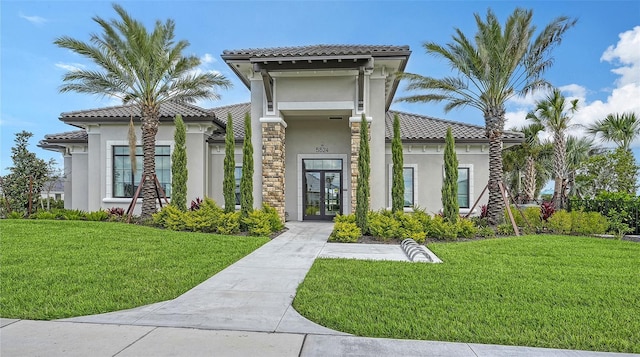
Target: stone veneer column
x: 355, y: 151
x: 273, y: 164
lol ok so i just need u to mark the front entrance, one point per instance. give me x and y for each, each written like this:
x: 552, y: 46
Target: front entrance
x: 321, y: 188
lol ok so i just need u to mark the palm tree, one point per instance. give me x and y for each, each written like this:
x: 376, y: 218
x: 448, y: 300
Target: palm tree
x: 498, y: 65
x: 142, y: 68
x: 533, y: 148
x: 553, y: 112
x: 525, y: 165
x: 622, y: 129
x: 578, y: 151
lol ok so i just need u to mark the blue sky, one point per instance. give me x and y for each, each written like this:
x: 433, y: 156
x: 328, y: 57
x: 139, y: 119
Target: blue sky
x: 598, y: 61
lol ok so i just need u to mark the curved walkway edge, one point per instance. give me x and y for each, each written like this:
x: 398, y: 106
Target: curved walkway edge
x: 244, y: 310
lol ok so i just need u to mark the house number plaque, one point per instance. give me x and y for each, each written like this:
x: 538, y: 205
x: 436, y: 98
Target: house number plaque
x: 322, y: 149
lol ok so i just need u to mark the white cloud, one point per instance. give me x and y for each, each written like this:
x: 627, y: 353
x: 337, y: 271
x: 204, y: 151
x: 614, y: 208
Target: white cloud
x: 70, y: 66
x: 626, y: 55
x: 36, y: 20
x: 625, y: 97
x: 207, y: 59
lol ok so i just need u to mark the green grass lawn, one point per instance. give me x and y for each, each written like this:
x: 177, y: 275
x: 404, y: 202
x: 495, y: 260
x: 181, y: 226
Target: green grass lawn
x: 546, y: 291
x: 57, y: 269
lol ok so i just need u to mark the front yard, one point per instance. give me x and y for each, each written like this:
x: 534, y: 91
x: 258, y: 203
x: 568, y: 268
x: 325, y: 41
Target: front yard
x: 546, y: 291
x: 56, y: 269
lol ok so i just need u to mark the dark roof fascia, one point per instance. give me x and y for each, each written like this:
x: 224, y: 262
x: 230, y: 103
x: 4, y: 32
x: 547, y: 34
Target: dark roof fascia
x: 78, y: 122
x: 457, y: 141
x: 396, y: 82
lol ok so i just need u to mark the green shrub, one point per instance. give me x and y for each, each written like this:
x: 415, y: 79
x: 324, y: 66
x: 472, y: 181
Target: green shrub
x: 586, y: 223
x: 486, y: 232
x: 441, y: 229
x: 43, y: 215
x: 345, y: 232
x: 15, y: 215
x: 73, y: 215
x: 383, y: 225
x: 97, y: 216
x: 171, y: 218
x: 616, y: 223
x: 349, y: 218
x: 505, y: 229
x: 480, y: 222
x: 423, y: 217
x: 273, y: 217
x: 258, y: 223
x: 534, y: 218
x: 410, y: 227
x: 466, y: 228
x: 229, y: 223
x: 560, y: 222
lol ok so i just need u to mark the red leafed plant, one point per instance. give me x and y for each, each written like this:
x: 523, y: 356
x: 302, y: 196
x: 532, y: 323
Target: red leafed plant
x: 195, y: 204
x: 547, y: 210
x: 484, y: 211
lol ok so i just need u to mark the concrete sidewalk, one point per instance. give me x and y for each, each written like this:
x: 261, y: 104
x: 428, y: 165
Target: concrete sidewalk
x: 244, y: 310
x: 60, y: 338
x: 254, y: 294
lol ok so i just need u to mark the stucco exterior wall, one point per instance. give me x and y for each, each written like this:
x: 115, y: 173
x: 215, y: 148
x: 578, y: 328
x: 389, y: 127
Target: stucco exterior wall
x: 313, y: 138
x: 428, y: 160
x: 315, y: 89
x: 376, y: 110
x: 216, y: 170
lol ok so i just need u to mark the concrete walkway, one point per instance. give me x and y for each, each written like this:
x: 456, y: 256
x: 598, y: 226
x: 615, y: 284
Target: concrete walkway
x: 244, y: 310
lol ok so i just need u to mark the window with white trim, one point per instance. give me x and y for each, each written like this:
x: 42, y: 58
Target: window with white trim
x: 463, y: 187
x: 126, y: 181
x: 408, y: 174
x: 237, y: 174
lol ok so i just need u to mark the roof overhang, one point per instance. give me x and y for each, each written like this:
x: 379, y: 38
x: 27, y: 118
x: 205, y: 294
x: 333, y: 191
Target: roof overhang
x: 264, y: 62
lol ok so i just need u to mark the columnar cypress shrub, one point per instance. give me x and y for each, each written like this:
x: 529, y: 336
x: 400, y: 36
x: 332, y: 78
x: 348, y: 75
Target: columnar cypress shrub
x: 364, y: 169
x: 179, y: 173
x: 229, y: 182
x: 246, y: 182
x: 450, y: 184
x: 397, y: 180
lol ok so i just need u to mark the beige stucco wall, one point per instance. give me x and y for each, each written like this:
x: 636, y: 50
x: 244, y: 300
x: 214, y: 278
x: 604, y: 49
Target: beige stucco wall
x: 313, y: 138
x: 216, y: 170
x: 429, y: 162
x: 315, y: 89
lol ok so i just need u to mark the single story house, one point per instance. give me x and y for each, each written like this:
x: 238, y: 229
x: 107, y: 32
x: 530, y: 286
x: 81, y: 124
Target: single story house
x: 310, y: 98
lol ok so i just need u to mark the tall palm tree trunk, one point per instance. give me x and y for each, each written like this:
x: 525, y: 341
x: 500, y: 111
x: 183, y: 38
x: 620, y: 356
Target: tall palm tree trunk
x: 494, y: 127
x: 559, y: 169
x: 529, y: 179
x: 150, y: 124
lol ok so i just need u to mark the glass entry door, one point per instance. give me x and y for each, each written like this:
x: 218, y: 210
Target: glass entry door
x: 322, y: 189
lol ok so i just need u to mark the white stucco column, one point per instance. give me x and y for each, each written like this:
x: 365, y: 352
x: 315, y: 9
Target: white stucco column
x: 257, y: 111
x: 197, y: 160
x: 376, y: 109
x: 96, y: 171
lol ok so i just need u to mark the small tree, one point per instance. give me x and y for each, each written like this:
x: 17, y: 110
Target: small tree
x: 229, y: 182
x: 450, y: 185
x: 246, y: 182
x: 364, y: 169
x: 54, y: 177
x: 179, y: 173
x: 397, y: 183
x: 23, y: 184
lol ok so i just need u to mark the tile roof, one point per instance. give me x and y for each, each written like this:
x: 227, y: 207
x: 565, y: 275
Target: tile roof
x: 415, y: 127
x: 237, y: 114
x: 317, y: 50
x: 76, y: 136
x: 167, y: 110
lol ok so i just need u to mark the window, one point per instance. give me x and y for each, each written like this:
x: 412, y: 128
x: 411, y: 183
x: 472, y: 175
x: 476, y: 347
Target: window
x: 237, y: 173
x: 407, y: 175
x: 463, y: 187
x: 125, y: 181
